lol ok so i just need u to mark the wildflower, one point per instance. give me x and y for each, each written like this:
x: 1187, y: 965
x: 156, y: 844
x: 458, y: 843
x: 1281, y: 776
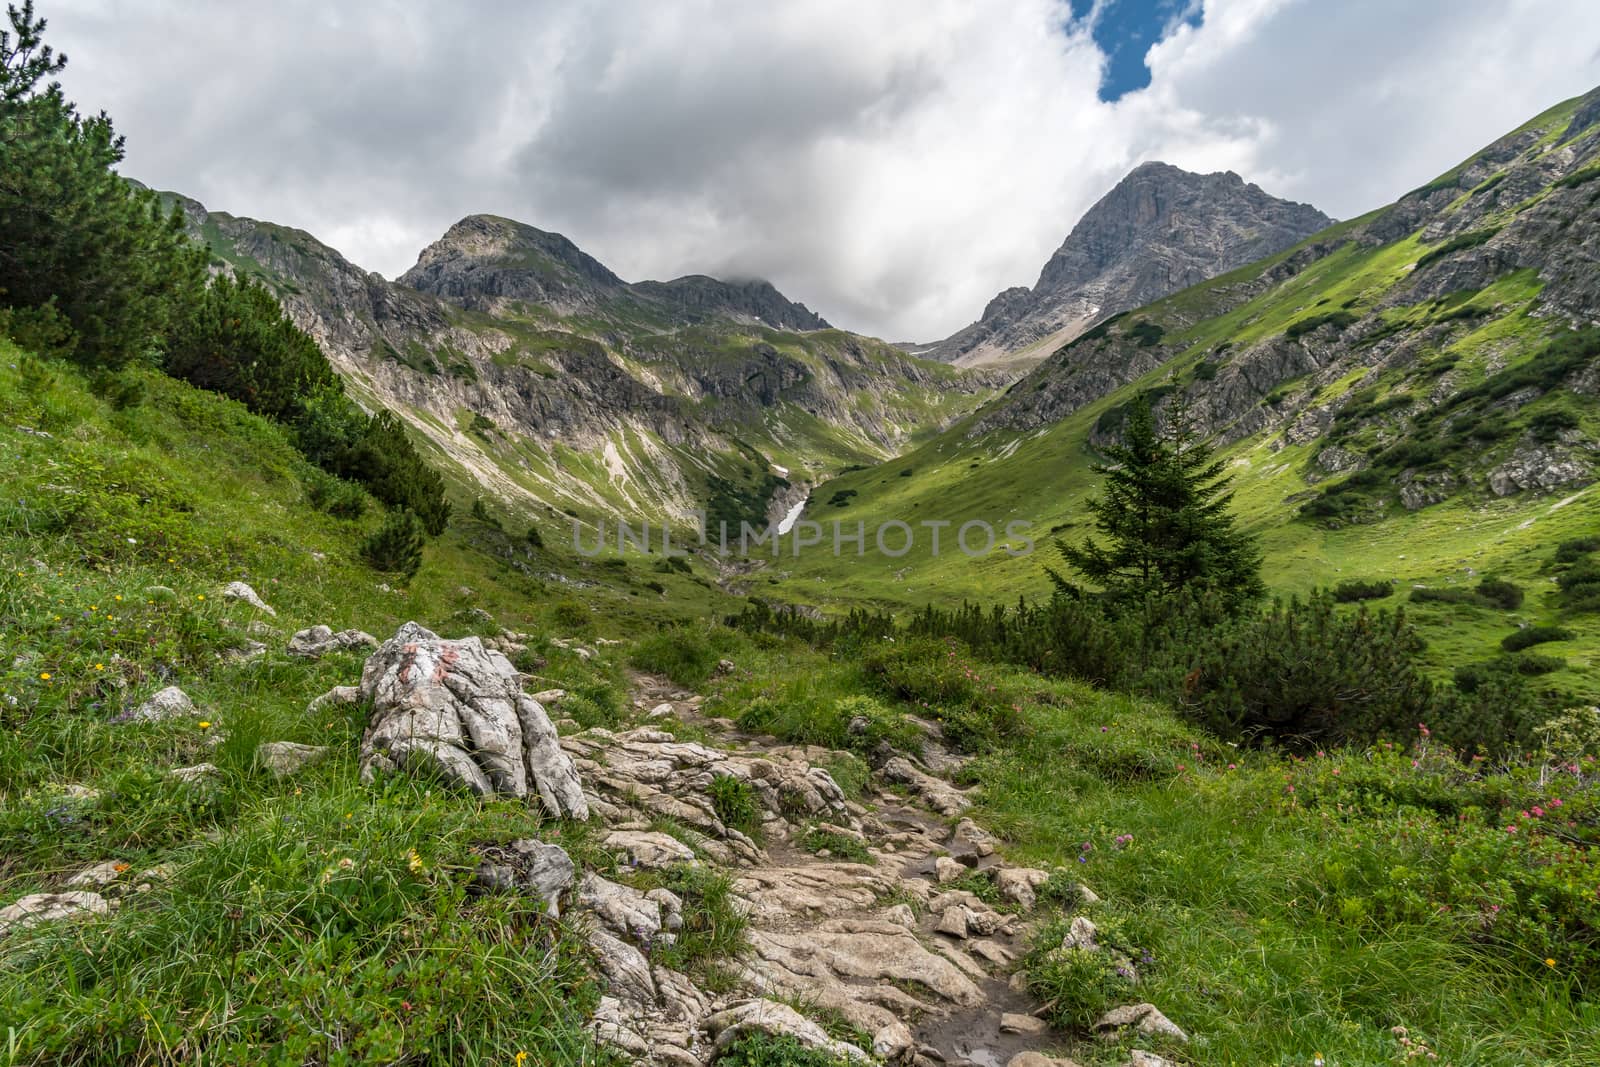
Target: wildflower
x: 345, y: 863
x: 1538, y: 812
x: 1555, y: 802
x: 1233, y: 766
x: 119, y: 596
x: 414, y: 861
x: 199, y: 596
x: 1180, y: 766
x: 44, y: 676
x: 522, y: 1057
x: 204, y: 724
x: 99, y: 666
x: 1549, y: 963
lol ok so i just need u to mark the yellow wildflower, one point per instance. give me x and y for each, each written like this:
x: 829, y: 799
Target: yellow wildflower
x: 44, y: 675
x: 1549, y: 963
x: 99, y: 666
x: 414, y: 861
x: 205, y: 724
x: 522, y: 1057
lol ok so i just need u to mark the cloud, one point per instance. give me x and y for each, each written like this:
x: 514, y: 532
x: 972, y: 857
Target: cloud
x: 892, y: 164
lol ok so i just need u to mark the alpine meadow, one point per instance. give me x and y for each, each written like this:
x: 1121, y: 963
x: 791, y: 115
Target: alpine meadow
x: 1192, y: 660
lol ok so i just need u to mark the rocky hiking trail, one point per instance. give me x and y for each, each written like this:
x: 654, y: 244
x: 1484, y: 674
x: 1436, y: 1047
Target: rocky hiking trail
x: 899, y: 948
x: 882, y: 929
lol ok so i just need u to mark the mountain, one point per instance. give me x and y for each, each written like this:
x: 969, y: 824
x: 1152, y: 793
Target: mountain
x: 1406, y: 397
x: 1159, y: 230
x: 483, y: 261
x: 542, y: 377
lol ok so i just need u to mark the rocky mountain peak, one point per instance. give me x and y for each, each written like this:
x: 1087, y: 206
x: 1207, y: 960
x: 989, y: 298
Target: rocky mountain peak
x: 1160, y: 229
x: 485, y: 257
x: 755, y: 300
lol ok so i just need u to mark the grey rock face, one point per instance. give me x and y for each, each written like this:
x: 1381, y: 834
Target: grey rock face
x: 1538, y: 468
x: 1159, y: 230
x: 458, y: 709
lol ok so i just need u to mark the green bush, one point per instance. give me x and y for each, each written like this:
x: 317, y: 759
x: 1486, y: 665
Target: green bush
x: 735, y: 802
x: 1307, y: 675
x: 1355, y: 591
x: 1339, y: 320
x: 396, y: 546
x: 1529, y: 636
x: 1501, y: 593
x: 941, y: 680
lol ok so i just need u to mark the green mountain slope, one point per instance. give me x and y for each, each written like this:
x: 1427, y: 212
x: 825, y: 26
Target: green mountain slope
x: 1407, y: 396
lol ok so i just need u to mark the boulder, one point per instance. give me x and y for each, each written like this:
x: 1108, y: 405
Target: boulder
x: 318, y: 641
x: 938, y: 794
x: 894, y: 1043
x: 240, y: 591
x: 457, y: 709
x: 98, y: 876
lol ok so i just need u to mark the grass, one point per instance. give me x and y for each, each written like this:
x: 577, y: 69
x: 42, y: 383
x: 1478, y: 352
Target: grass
x: 1283, y: 908
x: 312, y: 919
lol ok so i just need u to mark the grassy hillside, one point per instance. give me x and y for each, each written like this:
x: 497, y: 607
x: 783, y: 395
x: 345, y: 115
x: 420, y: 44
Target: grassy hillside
x: 1367, y: 408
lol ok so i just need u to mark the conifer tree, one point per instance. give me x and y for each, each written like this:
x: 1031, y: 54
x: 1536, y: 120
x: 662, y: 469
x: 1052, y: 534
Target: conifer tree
x: 1163, y: 519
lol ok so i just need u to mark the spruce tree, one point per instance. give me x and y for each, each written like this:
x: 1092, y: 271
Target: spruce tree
x: 77, y: 241
x: 1163, y: 519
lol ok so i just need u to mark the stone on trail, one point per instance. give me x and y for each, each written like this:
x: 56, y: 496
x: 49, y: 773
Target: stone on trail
x: 1017, y: 1023
x: 457, y: 709
x: 240, y: 591
x: 649, y: 850
x: 778, y: 1020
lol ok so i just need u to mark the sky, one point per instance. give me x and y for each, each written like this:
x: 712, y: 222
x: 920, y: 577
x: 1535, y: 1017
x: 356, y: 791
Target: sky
x: 891, y: 163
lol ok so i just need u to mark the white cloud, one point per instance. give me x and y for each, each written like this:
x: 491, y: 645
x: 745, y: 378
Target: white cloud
x: 892, y: 164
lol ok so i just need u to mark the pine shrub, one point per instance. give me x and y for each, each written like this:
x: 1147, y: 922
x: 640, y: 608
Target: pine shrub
x: 396, y: 546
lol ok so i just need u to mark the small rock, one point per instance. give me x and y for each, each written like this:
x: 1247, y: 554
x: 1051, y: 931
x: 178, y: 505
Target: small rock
x: 550, y: 696
x: 283, y: 758
x: 970, y: 833
x: 1015, y: 1023
x: 894, y: 1043
x: 1140, y: 1058
x: 671, y: 908
x: 901, y: 914
x: 542, y: 870
x: 194, y: 774
x: 339, y: 695
x: 51, y: 907
x: 947, y: 870
x: 770, y: 1017
x: 75, y: 791
x: 1087, y: 895
x: 992, y: 951
x: 247, y: 651
x: 169, y: 703
x: 1017, y: 884
x: 649, y: 850
x: 955, y: 921
x: 726, y: 666
x: 660, y: 711
x: 318, y: 641
x: 1144, y: 1018
x: 101, y: 874
x: 1038, y: 1059
x: 240, y: 591
x: 1081, y: 935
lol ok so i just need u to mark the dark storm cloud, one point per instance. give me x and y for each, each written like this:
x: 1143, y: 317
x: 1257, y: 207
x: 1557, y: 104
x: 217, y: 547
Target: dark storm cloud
x: 893, y: 164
